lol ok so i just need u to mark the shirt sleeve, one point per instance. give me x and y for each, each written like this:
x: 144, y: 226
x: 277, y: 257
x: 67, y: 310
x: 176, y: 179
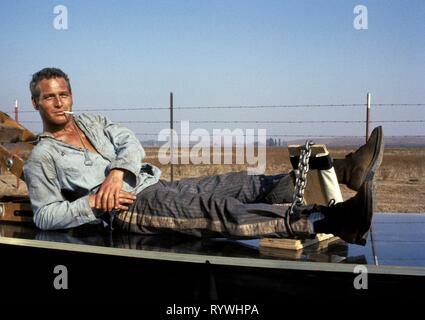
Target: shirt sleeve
x: 129, y: 152
x: 51, y: 210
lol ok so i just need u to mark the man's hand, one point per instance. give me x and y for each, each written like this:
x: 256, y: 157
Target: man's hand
x: 125, y: 199
x: 109, y: 196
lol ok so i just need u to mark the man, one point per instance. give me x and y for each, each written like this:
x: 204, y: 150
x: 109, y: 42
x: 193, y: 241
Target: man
x: 83, y: 167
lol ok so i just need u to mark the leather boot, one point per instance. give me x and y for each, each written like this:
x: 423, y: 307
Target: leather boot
x: 350, y: 220
x: 363, y: 163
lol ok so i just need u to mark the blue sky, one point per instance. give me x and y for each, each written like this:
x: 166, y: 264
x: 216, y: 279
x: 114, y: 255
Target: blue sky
x: 223, y: 53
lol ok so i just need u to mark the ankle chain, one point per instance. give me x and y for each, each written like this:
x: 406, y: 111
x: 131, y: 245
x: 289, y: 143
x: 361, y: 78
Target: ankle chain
x: 300, y: 183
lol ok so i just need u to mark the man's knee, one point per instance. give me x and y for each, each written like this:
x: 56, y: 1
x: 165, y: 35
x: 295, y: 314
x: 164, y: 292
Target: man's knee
x: 279, y: 188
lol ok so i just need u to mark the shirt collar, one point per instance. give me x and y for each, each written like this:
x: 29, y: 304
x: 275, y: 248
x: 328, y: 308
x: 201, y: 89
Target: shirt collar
x: 41, y: 136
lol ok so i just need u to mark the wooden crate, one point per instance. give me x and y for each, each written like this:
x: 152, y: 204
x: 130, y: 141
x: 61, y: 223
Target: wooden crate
x: 296, y: 244
x: 16, y: 211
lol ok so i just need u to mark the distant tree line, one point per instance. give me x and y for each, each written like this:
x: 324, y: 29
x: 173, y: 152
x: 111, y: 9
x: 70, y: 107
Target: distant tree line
x: 270, y: 142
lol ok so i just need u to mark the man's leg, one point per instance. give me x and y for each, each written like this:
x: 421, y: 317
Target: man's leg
x: 159, y: 209
x: 163, y: 209
x: 245, y: 188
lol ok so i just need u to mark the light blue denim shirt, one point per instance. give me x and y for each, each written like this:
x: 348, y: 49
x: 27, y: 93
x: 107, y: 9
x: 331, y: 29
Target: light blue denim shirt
x: 60, y: 177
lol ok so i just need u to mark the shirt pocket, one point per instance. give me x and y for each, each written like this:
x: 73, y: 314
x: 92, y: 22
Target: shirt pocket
x: 71, y: 167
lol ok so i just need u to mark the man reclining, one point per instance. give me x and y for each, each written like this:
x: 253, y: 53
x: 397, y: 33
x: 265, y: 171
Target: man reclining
x: 86, y: 167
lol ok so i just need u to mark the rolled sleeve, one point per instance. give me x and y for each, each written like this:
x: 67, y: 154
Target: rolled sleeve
x: 51, y: 210
x: 129, y: 152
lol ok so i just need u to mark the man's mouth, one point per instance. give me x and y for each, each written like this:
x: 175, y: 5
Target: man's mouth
x: 62, y: 113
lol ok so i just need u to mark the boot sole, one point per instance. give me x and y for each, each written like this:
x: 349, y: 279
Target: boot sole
x: 369, y: 180
x: 367, y: 216
x: 377, y: 156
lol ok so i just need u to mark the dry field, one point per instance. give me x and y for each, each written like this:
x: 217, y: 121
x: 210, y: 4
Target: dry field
x: 400, y: 182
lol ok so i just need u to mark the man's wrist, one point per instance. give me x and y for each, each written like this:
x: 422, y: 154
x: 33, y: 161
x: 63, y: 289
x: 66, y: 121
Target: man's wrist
x: 92, y: 201
x: 119, y: 173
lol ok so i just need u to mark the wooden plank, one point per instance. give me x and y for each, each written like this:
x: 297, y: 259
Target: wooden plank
x: 314, y: 192
x: 295, y: 244
x: 18, y: 163
x: 322, y: 185
x: 16, y: 212
x: 12, y: 131
x: 317, y: 150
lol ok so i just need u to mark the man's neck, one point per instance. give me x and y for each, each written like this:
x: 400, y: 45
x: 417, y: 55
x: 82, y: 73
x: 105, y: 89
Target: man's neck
x: 59, y: 130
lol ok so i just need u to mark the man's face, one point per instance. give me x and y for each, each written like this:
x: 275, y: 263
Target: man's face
x: 54, y: 99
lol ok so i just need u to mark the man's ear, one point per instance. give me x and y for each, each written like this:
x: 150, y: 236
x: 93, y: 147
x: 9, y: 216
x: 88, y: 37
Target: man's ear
x: 34, y: 104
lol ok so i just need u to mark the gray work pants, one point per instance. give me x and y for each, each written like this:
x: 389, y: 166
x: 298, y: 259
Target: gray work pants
x: 229, y: 205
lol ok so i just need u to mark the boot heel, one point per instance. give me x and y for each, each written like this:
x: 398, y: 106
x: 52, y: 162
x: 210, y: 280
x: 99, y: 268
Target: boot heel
x: 362, y: 239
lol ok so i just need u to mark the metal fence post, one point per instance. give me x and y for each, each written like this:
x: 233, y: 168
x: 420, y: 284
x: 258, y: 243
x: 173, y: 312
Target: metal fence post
x: 367, y: 115
x: 17, y: 143
x: 171, y: 140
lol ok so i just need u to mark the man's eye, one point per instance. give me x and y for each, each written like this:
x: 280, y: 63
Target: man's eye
x: 64, y: 95
x: 48, y: 98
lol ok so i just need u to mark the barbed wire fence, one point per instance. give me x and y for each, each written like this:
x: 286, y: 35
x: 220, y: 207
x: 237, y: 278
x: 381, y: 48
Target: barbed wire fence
x: 150, y: 135
x: 172, y: 110
x: 255, y: 107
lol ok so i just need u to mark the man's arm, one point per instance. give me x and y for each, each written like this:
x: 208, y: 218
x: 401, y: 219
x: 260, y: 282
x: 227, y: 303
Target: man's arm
x: 129, y: 155
x: 129, y: 152
x: 51, y: 210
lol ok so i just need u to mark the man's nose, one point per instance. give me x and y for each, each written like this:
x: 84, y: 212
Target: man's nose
x: 58, y: 102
